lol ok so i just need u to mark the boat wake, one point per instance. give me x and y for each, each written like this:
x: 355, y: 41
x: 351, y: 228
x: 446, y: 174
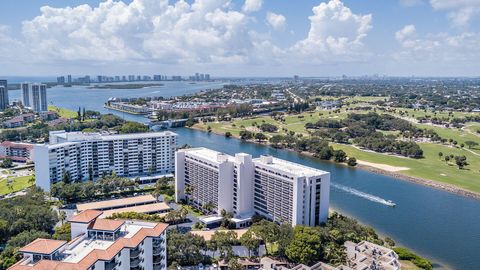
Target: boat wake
x: 364, y: 195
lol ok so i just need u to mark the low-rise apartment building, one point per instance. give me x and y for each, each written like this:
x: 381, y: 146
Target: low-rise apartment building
x: 91, y: 155
x: 366, y: 255
x: 20, y: 152
x: 277, y: 189
x: 100, y: 244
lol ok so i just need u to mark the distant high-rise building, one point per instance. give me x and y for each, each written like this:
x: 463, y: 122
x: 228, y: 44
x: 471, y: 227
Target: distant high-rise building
x: 3, y: 95
x: 197, y: 76
x: 99, y: 78
x: 202, y: 77
x: 34, y: 96
x: 295, y: 78
x: 176, y: 78
x: 69, y: 79
x: 207, y: 77
x: 61, y: 79
x: 25, y: 94
x: 139, y: 78
x: 124, y: 78
x: 131, y: 78
x: 157, y: 77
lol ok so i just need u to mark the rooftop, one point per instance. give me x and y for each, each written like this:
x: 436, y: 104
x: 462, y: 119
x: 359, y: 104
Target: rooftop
x: 43, y: 246
x: 108, y: 204
x: 106, y: 225
x: 209, y: 154
x: 146, y: 208
x: 86, y: 216
x: 17, y: 145
x: 85, y: 136
x: 288, y: 167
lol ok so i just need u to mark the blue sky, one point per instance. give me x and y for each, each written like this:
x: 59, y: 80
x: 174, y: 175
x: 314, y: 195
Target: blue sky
x: 241, y: 38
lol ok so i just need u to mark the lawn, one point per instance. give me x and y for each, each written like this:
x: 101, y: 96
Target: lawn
x: 65, y: 113
x: 431, y: 167
x: 19, y: 183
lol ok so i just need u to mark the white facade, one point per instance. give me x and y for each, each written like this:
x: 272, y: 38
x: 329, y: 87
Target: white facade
x: 34, y: 96
x: 90, y: 155
x: 276, y: 189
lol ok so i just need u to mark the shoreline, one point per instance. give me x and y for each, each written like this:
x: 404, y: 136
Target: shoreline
x: 396, y: 175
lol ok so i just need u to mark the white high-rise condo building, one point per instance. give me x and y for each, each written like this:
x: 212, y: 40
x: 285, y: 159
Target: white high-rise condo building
x: 90, y: 155
x: 277, y: 189
x: 34, y: 96
x: 100, y: 244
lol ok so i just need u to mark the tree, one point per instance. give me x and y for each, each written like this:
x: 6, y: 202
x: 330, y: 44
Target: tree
x: 267, y: 231
x: 461, y: 161
x: 339, y: 156
x: 352, y: 162
x: 185, y: 249
x: 62, y: 216
x: 63, y: 232
x: 26, y: 237
x: 440, y: 155
x: 447, y: 159
x: 260, y: 137
x: 228, y: 134
x: 225, y: 240
x: 249, y: 241
x: 471, y: 144
x: 67, y: 179
x: 266, y: 127
x: 246, y: 135
x: 133, y: 127
x: 7, y: 163
x: 233, y: 264
x: 306, y: 246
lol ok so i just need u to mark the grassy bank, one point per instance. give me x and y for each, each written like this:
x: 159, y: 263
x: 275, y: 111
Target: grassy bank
x: 65, y: 113
x: 18, y: 183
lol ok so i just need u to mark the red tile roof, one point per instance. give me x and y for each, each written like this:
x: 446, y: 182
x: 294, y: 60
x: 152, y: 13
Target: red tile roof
x: 43, y: 246
x: 86, y: 216
x: 95, y: 255
x: 106, y: 224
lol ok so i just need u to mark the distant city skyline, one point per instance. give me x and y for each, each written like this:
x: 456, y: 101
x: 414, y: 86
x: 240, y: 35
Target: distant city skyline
x: 240, y: 38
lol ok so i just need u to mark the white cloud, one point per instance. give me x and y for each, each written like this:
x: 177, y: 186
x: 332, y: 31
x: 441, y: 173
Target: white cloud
x: 437, y: 48
x: 277, y: 21
x: 459, y: 11
x: 144, y: 30
x: 252, y: 5
x: 335, y: 33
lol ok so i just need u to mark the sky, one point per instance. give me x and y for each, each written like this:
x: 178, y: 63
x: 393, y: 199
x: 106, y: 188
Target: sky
x: 240, y: 37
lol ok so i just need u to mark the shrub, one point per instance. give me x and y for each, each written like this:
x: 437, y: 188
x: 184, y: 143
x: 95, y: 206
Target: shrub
x: 405, y: 254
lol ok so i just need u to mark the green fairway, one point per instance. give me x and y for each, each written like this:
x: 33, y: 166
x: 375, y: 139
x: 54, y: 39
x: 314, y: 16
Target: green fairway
x: 62, y: 112
x: 18, y: 183
x: 431, y: 167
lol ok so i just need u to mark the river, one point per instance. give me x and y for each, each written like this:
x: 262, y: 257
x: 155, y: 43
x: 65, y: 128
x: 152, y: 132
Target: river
x: 439, y: 225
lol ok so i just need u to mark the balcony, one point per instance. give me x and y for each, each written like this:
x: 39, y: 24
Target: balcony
x: 158, y: 259
x: 158, y: 250
x: 157, y: 242
x: 135, y: 262
x: 135, y: 253
x: 159, y: 266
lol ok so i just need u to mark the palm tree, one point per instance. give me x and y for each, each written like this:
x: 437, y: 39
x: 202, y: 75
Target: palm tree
x: 62, y: 216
